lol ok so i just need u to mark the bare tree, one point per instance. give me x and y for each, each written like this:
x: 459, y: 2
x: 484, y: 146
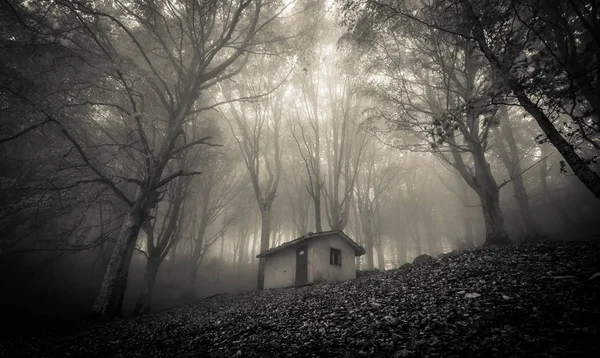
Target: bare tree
x: 213, y: 195
x: 305, y: 125
x: 511, y: 158
x: 563, y: 45
x: 344, y: 145
x: 381, y: 168
x: 156, y: 86
x: 436, y: 89
x: 256, y: 127
x: 309, y: 147
x: 296, y: 189
x: 162, y: 233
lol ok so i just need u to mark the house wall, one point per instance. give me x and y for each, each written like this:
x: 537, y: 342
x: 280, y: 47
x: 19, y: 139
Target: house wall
x: 280, y: 268
x: 320, y: 270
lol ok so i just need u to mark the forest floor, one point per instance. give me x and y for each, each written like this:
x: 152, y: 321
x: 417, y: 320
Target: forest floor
x: 523, y: 300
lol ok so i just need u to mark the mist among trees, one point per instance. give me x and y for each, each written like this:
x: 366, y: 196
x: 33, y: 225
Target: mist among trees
x: 151, y: 149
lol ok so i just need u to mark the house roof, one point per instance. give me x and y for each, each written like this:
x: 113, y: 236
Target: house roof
x: 358, y: 250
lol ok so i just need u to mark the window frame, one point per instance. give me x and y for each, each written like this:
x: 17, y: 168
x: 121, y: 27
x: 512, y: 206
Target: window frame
x: 333, y: 255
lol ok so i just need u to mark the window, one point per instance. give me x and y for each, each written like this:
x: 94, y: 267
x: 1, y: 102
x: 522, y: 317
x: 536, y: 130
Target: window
x: 335, y: 257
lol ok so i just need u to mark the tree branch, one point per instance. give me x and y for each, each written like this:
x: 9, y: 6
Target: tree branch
x: 28, y: 129
x: 77, y: 146
x: 179, y: 173
x: 196, y: 142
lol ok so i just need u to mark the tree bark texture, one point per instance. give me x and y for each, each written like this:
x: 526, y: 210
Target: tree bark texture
x: 110, y: 298
x: 484, y: 184
x: 380, y: 254
x: 369, y: 253
x: 511, y: 160
x: 265, y: 233
x: 489, y: 194
x: 317, y: 204
x: 145, y: 298
x: 400, y: 251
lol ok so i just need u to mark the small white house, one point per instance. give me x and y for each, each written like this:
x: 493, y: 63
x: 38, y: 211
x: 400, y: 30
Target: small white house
x: 320, y: 257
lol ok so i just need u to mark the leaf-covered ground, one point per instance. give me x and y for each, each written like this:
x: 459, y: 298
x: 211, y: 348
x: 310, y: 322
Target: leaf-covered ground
x: 521, y: 300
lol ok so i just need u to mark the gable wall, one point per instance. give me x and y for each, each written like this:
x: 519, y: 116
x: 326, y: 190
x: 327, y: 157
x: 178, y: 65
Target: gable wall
x: 280, y: 268
x: 320, y: 270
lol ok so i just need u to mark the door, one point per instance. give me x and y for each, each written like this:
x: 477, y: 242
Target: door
x: 301, y: 265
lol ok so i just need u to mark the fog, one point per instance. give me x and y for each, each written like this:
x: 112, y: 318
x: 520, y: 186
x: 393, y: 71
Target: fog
x: 150, y: 153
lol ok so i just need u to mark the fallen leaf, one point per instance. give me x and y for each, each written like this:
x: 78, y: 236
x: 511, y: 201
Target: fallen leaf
x: 472, y: 295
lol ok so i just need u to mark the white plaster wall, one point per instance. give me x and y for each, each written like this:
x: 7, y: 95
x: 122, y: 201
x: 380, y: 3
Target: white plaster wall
x: 280, y: 268
x: 311, y: 252
x: 319, y: 268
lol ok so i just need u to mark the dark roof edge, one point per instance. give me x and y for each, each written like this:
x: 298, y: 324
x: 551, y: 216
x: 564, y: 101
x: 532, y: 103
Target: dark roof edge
x: 358, y: 250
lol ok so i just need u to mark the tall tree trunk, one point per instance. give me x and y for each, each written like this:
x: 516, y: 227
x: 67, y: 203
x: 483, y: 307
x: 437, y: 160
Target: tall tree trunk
x: 512, y: 162
x: 222, y: 250
x: 110, y: 298
x: 172, y: 258
x: 487, y: 189
x: 368, y: 236
x: 430, y: 233
x: 221, y: 257
x: 562, y: 213
x: 417, y: 241
x: 194, y: 269
x: 533, y: 231
x: 316, y: 168
x: 198, y: 251
x: 400, y: 251
x: 369, y: 253
x: 317, y: 203
x: 493, y: 217
x: 253, y: 249
x: 242, y: 257
x: 145, y: 299
x: 469, y: 232
x: 489, y: 195
x: 265, y: 233
x: 380, y: 253
x: 106, y: 249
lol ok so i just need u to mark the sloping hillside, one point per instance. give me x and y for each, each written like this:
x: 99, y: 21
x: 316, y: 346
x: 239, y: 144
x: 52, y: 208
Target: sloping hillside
x: 521, y: 300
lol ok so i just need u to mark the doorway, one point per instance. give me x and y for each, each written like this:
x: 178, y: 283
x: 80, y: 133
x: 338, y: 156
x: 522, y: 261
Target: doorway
x: 301, y: 265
